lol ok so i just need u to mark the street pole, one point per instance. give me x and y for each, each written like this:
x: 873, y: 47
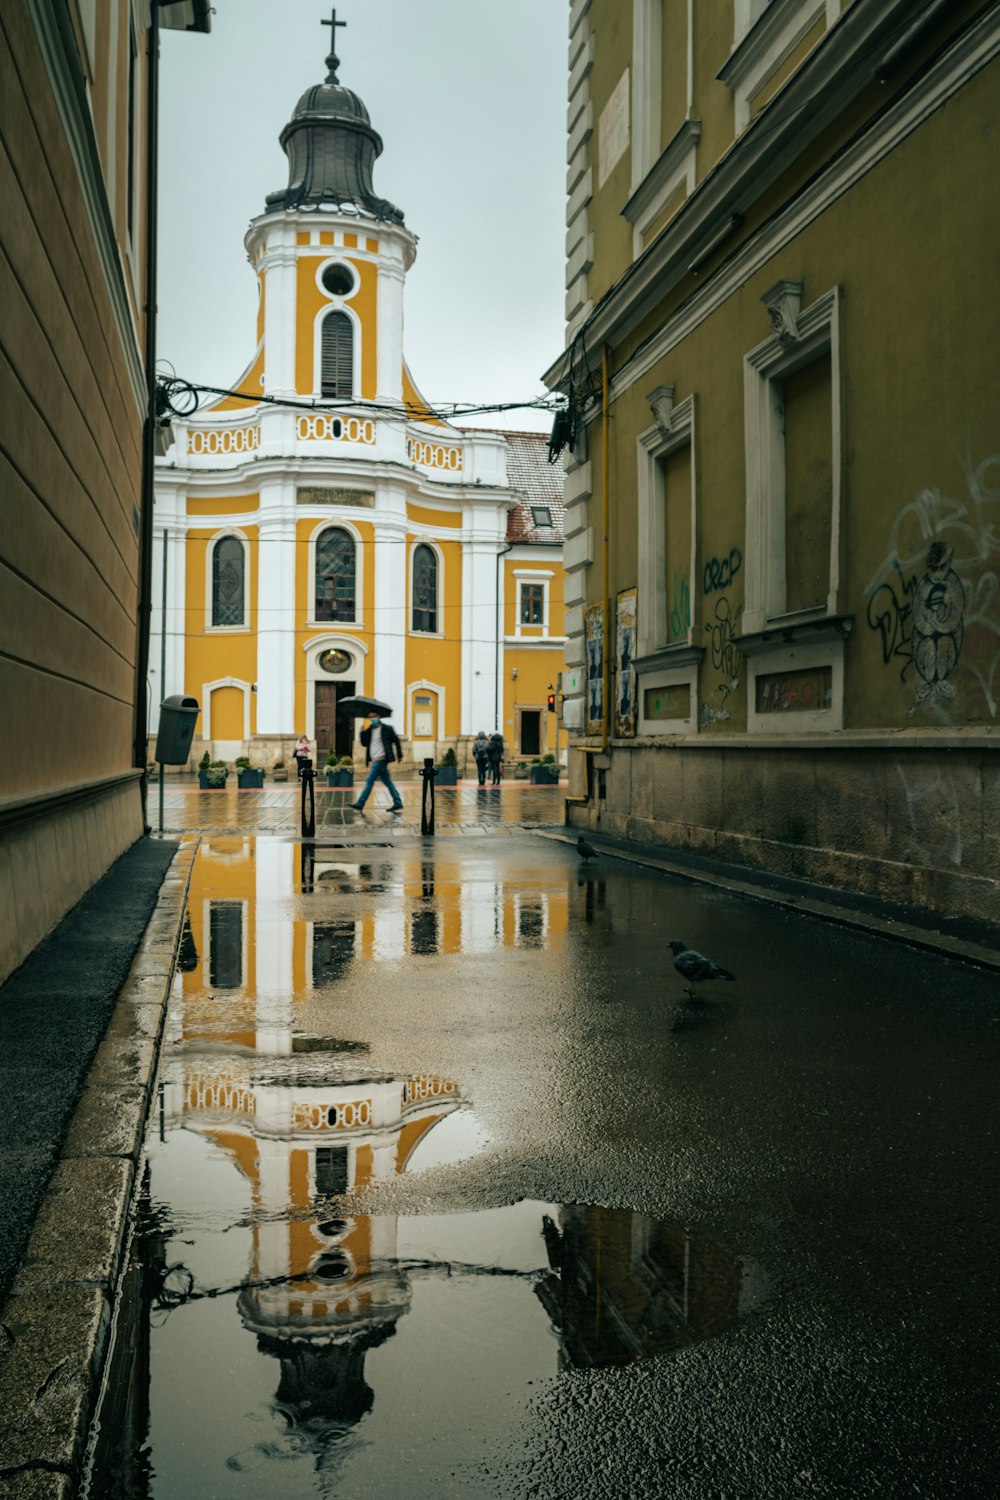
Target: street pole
x: 163, y: 654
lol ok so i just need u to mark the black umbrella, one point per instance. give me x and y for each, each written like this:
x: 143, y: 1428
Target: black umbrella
x: 360, y: 707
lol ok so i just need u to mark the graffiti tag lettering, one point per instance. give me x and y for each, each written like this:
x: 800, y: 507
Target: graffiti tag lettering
x: 680, y: 615
x: 720, y: 571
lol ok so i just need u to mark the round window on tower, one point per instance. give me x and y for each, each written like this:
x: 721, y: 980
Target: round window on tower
x: 338, y: 279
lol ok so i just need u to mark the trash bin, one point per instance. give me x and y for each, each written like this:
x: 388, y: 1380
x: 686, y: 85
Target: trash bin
x: 178, y: 716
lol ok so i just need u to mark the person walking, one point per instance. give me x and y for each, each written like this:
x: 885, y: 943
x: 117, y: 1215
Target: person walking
x: 496, y: 757
x: 481, y: 755
x: 382, y: 747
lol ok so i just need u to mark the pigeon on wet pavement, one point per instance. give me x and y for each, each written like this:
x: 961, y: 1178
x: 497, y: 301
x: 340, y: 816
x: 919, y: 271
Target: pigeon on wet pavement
x: 586, y: 851
x: 695, y: 967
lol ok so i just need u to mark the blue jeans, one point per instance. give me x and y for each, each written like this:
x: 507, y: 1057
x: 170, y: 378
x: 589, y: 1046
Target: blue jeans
x: 379, y: 770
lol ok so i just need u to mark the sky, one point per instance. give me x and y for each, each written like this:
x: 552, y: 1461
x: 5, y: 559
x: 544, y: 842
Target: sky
x: 469, y: 98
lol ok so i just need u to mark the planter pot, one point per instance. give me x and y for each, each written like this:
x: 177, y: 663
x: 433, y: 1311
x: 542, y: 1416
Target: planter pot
x: 340, y: 778
x: 521, y: 773
x: 279, y: 774
x: 545, y: 775
x: 446, y: 775
x: 210, y: 786
x: 250, y: 780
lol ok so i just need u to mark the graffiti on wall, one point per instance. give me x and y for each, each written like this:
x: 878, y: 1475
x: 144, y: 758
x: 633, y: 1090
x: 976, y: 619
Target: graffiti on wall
x: 720, y: 571
x: 726, y: 659
x: 680, y: 614
x: 933, y: 603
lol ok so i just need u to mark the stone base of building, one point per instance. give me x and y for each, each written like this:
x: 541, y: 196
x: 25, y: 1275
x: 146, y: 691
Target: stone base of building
x: 906, y: 821
x: 53, y: 848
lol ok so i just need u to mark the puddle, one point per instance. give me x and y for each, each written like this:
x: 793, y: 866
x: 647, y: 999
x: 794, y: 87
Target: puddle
x: 355, y: 1352
x: 272, y: 1341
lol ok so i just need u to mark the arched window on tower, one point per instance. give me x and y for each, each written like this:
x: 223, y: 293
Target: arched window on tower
x: 335, y: 575
x: 425, y: 588
x: 228, y: 582
x: 337, y: 357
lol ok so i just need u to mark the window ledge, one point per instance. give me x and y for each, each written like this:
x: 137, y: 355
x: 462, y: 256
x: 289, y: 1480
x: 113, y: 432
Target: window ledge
x: 796, y: 632
x: 644, y: 203
x: 681, y: 655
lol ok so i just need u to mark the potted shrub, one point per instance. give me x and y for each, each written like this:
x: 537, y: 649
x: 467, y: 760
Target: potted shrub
x: 213, y: 776
x: 339, y: 772
x: 521, y: 771
x: 248, y: 777
x: 446, y: 770
x: 545, y: 772
x: 280, y: 772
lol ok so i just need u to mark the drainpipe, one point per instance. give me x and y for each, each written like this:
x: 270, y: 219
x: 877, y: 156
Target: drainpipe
x: 605, y: 558
x: 145, y: 601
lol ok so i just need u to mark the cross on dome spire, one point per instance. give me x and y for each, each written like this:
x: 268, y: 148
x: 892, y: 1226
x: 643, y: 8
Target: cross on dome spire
x: 333, y: 61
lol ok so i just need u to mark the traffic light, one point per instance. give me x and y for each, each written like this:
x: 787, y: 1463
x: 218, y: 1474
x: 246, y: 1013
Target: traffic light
x: 552, y: 703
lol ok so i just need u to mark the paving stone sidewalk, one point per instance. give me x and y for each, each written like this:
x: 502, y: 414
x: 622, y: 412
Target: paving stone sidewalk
x: 54, y: 1011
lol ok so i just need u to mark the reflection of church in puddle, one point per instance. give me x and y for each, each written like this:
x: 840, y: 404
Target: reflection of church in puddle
x: 305, y: 1124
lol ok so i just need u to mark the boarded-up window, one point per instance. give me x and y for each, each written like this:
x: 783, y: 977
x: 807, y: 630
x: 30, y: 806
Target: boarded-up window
x: 808, y: 484
x: 337, y: 357
x: 676, y: 470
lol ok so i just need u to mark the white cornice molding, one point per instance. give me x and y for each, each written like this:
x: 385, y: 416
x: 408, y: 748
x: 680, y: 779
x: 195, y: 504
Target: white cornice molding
x: 824, y: 85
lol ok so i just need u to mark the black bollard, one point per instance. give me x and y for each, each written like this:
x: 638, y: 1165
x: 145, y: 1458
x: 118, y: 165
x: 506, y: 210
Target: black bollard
x: 427, y: 800
x: 308, y: 798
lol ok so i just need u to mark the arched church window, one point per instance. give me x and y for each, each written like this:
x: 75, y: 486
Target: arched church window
x: 337, y: 357
x: 335, y: 575
x: 228, y: 582
x: 425, y: 588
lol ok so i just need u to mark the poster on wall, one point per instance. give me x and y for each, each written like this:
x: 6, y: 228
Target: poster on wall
x: 624, y: 664
x: 594, y: 637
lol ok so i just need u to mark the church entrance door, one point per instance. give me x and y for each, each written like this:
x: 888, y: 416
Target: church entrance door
x: 334, y: 730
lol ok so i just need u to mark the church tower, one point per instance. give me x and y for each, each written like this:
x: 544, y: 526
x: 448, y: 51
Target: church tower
x: 328, y: 533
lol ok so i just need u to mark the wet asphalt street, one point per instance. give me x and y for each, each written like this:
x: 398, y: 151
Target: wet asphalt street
x: 454, y: 1191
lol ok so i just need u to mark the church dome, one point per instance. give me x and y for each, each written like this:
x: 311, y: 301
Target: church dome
x: 331, y: 149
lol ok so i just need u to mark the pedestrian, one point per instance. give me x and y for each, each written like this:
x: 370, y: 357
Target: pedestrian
x: 382, y: 747
x: 496, y: 757
x: 481, y: 755
x: 302, y: 752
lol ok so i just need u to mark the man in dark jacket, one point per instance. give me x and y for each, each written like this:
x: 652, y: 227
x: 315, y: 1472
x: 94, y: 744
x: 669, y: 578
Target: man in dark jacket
x: 382, y: 746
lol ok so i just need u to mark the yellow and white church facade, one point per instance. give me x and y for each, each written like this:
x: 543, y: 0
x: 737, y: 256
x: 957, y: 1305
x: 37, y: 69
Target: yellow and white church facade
x: 367, y: 546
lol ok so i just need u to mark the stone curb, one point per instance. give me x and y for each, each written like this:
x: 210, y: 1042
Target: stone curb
x: 826, y: 911
x: 57, y: 1318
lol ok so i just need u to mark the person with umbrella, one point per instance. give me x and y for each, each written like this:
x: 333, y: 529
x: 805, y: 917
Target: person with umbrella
x: 382, y: 747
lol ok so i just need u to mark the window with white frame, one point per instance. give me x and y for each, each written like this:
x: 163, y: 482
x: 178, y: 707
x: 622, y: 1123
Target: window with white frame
x: 792, y: 407
x: 336, y: 575
x: 228, y: 587
x: 337, y: 357
x: 666, y: 506
x: 768, y: 40
x: 425, y: 590
x: 532, y: 603
x: 793, y: 635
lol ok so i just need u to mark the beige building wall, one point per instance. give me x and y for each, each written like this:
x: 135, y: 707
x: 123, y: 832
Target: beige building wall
x: 804, y: 457
x: 71, y: 404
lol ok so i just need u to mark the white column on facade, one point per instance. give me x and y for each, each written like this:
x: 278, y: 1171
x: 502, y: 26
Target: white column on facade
x: 482, y: 654
x: 390, y: 599
x: 391, y: 277
x: 279, y: 267
x: 276, y: 608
